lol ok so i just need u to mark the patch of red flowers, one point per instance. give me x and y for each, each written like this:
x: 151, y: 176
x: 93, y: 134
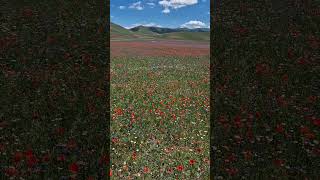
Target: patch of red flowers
x: 31, y: 158
x: 278, y: 162
x: 11, y: 171
x: 307, y: 132
x: 316, y: 122
x: 134, y: 155
x: 104, y: 160
x: 170, y: 170
x: 118, y: 111
x: 61, y: 158
x: 232, y: 171
x: 192, y: 161
x: 18, y: 157
x: 146, y: 169
x: 180, y: 168
x: 74, y: 168
x: 262, y: 69
x: 115, y: 140
x: 279, y: 128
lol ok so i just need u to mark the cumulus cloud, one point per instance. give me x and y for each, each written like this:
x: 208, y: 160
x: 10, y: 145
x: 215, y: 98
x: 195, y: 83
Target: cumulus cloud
x: 143, y: 24
x: 151, y: 25
x: 122, y: 7
x: 151, y: 4
x: 175, y: 4
x: 136, y: 5
x: 194, y: 24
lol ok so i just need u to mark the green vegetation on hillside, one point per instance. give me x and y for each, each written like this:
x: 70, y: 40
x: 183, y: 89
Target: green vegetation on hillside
x: 143, y: 33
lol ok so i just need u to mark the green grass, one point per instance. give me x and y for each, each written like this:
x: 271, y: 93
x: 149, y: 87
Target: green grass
x: 146, y: 87
x: 119, y: 33
x: 199, y: 36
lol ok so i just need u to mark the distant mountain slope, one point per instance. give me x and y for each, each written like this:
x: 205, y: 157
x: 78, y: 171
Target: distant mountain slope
x: 196, y: 36
x: 118, y: 32
x: 161, y: 30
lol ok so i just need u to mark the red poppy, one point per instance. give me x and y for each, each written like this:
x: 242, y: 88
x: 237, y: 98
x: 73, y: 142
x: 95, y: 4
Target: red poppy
x: 27, y: 12
x: 90, y: 178
x: 281, y: 101
x: 198, y: 150
x: 31, y: 161
x: 237, y: 121
x: 232, y: 171
x: 115, y: 140
x: 2, y: 147
x: 312, y: 99
x: 61, y: 158
x: 302, y: 61
x: 279, y: 128
x: 304, y: 130
x: 66, y: 56
x: 118, y: 111
x: 170, y: 170
x: 86, y: 58
x: 316, y: 151
x: 231, y: 158
x: 262, y: 69
x: 192, y: 161
x: 278, y: 162
x: 100, y: 93
x: 313, y: 42
x: 285, y: 78
x: 295, y: 33
x: 60, y: 131
x: 104, y: 160
x: 74, y: 168
x: 174, y: 117
x: 134, y: 155
x: 316, y: 122
x: 46, y: 158
x: 146, y: 169
x: 18, y: 157
x: 247, y: 155
x: 110, y: 172
x: 310, y: 135
x: 290, y: 53
x: 180, y: 168
x: 72, y: 144
x: 11, y: 171
x: 258, y: 115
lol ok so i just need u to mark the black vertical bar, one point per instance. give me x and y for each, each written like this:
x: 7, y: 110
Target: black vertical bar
x: 54, y: 89
x: 265, y: 90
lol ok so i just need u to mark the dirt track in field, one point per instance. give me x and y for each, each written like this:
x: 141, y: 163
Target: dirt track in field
x: 159, y: 48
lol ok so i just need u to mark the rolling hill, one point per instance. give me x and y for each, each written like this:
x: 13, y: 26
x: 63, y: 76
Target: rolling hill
x: 118, y: 32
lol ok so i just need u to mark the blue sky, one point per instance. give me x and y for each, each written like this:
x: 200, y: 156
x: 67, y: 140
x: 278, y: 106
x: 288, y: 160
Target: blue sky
x: 162, y: 13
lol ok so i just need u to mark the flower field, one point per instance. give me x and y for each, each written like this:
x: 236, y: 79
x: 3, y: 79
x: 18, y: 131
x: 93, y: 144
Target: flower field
x: 160, y: 117
x: 265, y: 83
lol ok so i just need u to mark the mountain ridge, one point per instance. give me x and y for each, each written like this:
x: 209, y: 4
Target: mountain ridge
x: 118, y: 32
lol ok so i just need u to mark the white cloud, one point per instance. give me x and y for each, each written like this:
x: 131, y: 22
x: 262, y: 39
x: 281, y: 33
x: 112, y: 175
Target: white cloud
x: 151, y: 4
x: 143, y: 24
x: 194, y: 24
x: 152, y: 25
x: 136, y: 5
x: 175, y: 4
x: 166, y: 10
x: 122, y: 7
